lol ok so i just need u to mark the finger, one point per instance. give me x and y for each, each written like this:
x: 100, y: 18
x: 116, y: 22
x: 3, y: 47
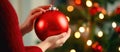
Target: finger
x: 66, y: 36
x: 40, y: 8
x: 60, y: 36
x: 61, y: 45
x: 36, y: 15
x: 37, y: 10
x: 68, y: 33
x: 44, y: 7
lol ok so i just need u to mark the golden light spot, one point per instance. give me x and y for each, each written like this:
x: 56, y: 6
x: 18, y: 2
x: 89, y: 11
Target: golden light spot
x: 89, y: 3
x: 100, y: 34
x: 77, y: 35
x: 72, y: 50
x: 89, y: 42
x: 70, y: 8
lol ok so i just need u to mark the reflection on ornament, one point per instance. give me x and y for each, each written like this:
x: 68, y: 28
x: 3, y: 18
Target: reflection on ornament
x: 70, y: 8
x: 68, y: 18
x: 82, y: 29
x: 89, y: 42
x: 101, y: 16
x: 88, y: 3
x: 100, y: 34
x: 114, y: 25
x: 77, y: 35
x: 72, y: 50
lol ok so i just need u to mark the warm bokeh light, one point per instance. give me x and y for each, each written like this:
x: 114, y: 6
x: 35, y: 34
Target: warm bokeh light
x: 114, y: 25
x: 104, y: 11
x: 89, y: 42
x: 101, y: 16
x: 70, y: 8
x: 96, y: 4
x: 78, y: 2
x: 89, y: 3
x: 82, y: 29
x: 95, y: 44
x: 119, y: 48
x: 100, y: 34
x: 72, y: 50
x: 77, y: 35
x: 68, y: 18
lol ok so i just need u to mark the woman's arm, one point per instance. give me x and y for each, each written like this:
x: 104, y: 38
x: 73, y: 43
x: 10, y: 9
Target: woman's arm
x: 52, y: 41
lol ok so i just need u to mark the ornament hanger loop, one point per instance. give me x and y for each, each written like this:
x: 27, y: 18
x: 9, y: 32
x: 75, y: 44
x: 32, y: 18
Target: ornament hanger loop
x: 52, y: 7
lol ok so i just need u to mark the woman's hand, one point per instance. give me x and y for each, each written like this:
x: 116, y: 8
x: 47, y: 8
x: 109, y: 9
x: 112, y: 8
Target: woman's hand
x: 54, y: 41
x: 27, y: 26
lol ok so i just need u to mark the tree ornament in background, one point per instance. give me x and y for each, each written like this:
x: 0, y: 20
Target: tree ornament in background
x: 51, y: 22
x: 117, y: 29
x: 78, y: 2
x: 117, y: 11
x: 97, y: 47
x: 95, y: 9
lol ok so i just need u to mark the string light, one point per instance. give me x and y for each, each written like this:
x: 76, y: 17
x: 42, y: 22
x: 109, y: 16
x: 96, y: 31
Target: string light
x: 114, y: 24
x: 78, y: 2
x: 119, y: 48
x: 77, y: 35
x: 89, y: 3
x: 89, y: 42
x: 87, y: 30
x: 68, y: 18
x: 104, y: 11
x: 70, y: 8
x: 72, y: 50
x: 100, y: 34
x: 82, y: 29
x: 101, y: 16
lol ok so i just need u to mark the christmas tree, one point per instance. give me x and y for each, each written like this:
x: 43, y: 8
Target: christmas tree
x: 93, y: 29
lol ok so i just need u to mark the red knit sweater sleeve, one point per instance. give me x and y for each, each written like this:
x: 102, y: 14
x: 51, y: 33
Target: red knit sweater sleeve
x: 10, y: 34
x: 32, y: 49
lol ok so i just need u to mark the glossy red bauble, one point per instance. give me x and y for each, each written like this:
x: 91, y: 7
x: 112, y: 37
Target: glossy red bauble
x: 97, y: 47
x: 117, y: 29
x: 94, y: 10
x: 117, y: 11
x: 50, y: 23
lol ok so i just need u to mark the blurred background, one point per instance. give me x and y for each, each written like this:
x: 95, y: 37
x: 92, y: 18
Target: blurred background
x: 95, y: 24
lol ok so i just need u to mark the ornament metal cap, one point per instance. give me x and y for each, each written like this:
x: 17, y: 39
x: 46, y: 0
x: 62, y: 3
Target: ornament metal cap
x: 52, y: 8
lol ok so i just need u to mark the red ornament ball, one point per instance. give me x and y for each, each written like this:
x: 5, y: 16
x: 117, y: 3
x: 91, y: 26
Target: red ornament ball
x: 97, y: 47
x: 117, y: 29
x: 52, y: 22
x: 94, y: 10
x: 117, y: 11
